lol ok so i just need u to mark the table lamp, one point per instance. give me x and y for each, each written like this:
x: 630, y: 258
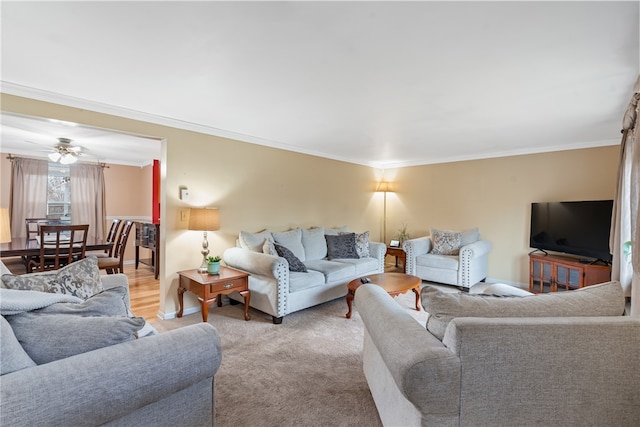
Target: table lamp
x: 5, y: 226
x: 204, y: 219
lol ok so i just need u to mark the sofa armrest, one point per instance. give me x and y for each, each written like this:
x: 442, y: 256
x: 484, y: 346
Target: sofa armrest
x: 414, y: 248
x: 425, y: 371
x: 99, y: 386
x: 476, y: 249
x: 114, y: 280
x: 254, y: 262
x: 378, y: 251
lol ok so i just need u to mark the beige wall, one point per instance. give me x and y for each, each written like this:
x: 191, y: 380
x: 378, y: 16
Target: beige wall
x: 495, y: 195
x: 256, y: 187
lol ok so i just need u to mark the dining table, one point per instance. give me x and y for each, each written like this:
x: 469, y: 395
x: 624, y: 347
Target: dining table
x: 22, y: 246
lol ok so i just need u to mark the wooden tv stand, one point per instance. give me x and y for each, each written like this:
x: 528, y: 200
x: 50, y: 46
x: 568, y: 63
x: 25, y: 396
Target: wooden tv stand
x: 550, y: 273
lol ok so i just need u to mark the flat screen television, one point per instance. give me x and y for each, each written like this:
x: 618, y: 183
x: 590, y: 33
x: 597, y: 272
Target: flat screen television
x: 578, y: 228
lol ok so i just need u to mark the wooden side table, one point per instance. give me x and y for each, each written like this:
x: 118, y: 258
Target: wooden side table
x: 398, y: 253
x: 211, y: 287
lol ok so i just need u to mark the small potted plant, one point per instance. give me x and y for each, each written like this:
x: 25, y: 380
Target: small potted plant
x: 213, y: 264
x: 403, y: 234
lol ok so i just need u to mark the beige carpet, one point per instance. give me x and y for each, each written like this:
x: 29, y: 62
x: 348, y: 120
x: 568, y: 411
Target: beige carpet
x: 305, y: 372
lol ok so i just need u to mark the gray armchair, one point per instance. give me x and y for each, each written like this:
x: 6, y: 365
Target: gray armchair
x: 463, y: 269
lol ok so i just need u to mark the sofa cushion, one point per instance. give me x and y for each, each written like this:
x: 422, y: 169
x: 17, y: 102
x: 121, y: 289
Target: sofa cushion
x: 48, y: 337
x: 294, y: 263
x: 292, y: 240
x: 332, y: 270
x: 12, y: 355
x: 445, y: 242
x: 341, y: 246
x: 445, y: 262
x: 362, y: 244
x: 253, y: 241
x: 469, y: 236
x: 606, y: 299
x: 301, y: 281
x: 361, y: 265
x: 80, y: 279
x: 315, y: 246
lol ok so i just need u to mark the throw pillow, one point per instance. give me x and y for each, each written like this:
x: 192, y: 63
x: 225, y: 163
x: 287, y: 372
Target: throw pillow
x: 294, y: 263
x: 80, y: 279
x: 315, y: 247
x: 48, y: 337
x: 292, y: 240
x: 606, y: 299
x: 110, y: 302
x: 254, y: 241
x: 341, y: 246
x: 362, y: 245
x: 445, y: 242
x: 12, y: 355
x: 269, y: 248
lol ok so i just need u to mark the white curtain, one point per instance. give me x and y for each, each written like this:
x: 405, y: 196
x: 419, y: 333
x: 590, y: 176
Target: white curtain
x: 624, y: 222
x: 88, y: 198
x: 29, y: 179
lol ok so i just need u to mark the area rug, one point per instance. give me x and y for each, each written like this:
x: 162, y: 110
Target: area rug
x: 305, y: 372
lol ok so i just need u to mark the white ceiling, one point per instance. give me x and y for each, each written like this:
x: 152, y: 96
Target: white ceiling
x: 384, y: 84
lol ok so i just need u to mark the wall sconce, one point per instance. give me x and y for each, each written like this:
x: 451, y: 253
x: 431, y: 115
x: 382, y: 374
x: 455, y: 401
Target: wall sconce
x: 204, y: 219
x: 384, y: 187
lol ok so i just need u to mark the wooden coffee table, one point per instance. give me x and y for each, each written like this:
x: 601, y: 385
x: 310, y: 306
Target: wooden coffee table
x: 394, y: 283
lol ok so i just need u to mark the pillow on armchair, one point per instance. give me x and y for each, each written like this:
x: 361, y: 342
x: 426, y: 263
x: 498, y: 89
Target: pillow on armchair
x: 446, y: 242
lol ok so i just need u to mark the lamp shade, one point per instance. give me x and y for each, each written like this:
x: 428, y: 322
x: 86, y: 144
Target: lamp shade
x: 204, y: 219
x: 384, y: 187
x: 5, y: 226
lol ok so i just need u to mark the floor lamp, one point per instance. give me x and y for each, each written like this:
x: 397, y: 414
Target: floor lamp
x: 204, y: 219
x: 384, y: 187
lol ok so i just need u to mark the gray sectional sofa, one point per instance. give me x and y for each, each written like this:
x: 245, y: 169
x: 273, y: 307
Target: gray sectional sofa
x: 330, y: 258
x: 158, y: 380
x: 562, y: 359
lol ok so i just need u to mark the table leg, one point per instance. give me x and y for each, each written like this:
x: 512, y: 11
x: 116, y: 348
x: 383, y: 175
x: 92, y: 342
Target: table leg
x: 416, y: 291
x: 204, y: 307
x: 247, y: 298
x: 181, y: 292
x: 350, y: 296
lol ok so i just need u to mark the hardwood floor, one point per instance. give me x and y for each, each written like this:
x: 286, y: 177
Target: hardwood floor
x: 144, y: 291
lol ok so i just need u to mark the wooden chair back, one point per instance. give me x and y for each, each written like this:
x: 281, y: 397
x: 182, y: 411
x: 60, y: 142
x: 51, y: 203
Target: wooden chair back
x: 33, y: 224
x: 60, y: 245
x: 115, y: 263
x: 113, y: 233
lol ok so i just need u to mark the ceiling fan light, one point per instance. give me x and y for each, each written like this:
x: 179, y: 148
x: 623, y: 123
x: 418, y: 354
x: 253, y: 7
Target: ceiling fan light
x: 54, y: 157
x: 67, y: 159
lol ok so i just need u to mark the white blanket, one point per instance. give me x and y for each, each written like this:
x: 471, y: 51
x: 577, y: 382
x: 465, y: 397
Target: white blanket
x: 13, y: 301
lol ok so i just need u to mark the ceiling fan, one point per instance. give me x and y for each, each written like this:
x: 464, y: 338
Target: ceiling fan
x: 64, y: 152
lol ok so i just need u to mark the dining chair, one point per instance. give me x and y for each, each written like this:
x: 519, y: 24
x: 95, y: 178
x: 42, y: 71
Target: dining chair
x: 111, y: 239
x: 33, y: 224
x: 115, y: 263
x: 60, y: 245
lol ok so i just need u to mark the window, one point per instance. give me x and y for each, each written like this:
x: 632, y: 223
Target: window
x: 59, y: 191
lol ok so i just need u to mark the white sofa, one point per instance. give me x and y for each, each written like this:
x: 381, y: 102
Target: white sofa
x: 466, y: 266
x: 561, y: 359
x: 277, y: 291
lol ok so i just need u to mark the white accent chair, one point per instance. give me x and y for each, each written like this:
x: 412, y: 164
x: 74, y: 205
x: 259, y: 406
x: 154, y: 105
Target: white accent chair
x: 464, y: 270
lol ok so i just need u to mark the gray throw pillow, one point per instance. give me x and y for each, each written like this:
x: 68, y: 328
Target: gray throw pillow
x: 110, y: 302
x: 606, y: 299
x: 294, y: 262
x: 80, y: 279
x: 48, y: 337
x: 341, y: 246
x: 12, y: 355
x: 254, y: 241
